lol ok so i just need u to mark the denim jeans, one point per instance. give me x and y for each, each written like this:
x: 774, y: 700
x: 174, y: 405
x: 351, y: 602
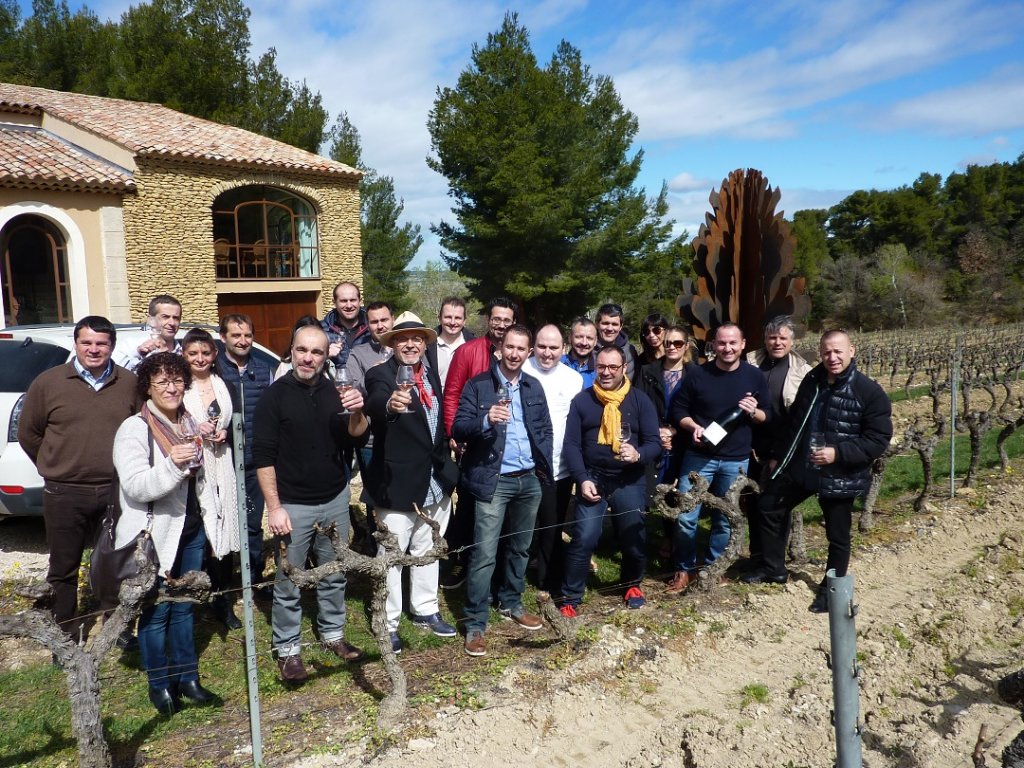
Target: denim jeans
x: 627, y: 504
x: 167, y: 644
x: 514, y: 507
x: 286, y: 615
x: 720, y: 474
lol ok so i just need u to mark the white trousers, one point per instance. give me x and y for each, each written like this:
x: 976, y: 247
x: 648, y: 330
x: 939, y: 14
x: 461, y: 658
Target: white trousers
x: 415, y: 537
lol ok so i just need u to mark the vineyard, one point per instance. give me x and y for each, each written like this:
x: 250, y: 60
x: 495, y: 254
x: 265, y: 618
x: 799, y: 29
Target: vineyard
x: 977, y: 369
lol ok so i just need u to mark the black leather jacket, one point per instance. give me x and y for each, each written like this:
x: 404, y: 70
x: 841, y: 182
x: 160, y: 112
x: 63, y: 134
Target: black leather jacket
x: 856, y: 416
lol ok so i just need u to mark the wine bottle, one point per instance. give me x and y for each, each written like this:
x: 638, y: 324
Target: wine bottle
x: 719, y: 429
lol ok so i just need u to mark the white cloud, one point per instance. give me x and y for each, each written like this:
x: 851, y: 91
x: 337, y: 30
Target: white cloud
x: 687, y: 182
x: 995, y: 104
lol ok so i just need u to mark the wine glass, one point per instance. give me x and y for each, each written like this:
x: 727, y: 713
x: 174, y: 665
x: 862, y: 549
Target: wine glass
x: 504, y: 396
x: 212, y: 415
x: 188, y: 432
x: 405, y: 379
x: 343, y: 383
x: 625, y: 432
x: 816, y: 443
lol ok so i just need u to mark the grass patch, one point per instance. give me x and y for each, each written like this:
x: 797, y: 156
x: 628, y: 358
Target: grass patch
x: 753, y: 693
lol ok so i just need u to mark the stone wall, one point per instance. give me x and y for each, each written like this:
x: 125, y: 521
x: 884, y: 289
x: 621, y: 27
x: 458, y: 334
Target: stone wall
x: 168, y: 229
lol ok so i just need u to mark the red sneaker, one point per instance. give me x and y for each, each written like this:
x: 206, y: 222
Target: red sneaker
x: 635, y: 598
x: 569, y: 611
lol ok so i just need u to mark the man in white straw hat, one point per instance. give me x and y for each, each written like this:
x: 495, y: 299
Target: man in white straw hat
x: 410, y: 465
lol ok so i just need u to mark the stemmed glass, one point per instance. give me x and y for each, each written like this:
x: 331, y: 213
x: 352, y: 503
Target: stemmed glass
x: 816, y: 443
x: 343, y: 383
x: 504, y: 396
x: 625, y: 432
x: 405, y: 379
x: 212, y: 415
x: 188, y: 432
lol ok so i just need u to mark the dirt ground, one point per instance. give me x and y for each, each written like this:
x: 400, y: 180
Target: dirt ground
x: 939, y: 622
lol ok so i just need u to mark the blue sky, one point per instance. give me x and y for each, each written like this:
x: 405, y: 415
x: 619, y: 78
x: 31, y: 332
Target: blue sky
x: 823, y: 97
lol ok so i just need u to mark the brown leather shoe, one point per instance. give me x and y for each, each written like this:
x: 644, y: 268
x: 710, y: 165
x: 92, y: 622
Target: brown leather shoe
x: 680, y: 582
x: 475, y: 645
x: 292, y: 669
x: 344, y: 651
x: 523, y: 619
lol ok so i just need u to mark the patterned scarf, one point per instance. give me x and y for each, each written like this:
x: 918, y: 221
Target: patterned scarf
x: 164, y: 434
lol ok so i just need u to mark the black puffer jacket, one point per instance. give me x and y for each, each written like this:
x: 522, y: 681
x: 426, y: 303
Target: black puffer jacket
x: 857, y: 419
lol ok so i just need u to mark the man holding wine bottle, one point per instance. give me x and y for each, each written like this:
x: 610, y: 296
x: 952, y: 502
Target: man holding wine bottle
x: 504, y: 421
x: 718, y: 403
x: 410, y: 467
x: 840, y: 422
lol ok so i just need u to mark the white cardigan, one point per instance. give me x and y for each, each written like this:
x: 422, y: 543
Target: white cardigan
x: 216, y: 487
x: 163, y: 483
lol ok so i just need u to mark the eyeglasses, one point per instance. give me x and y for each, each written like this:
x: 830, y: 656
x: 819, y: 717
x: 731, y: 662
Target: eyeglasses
x: 610, y: 368
x: 165, y: 385
x: 410, y: 340
x: 504, y: 322
x: 655, y: 330
x: 676, y: 343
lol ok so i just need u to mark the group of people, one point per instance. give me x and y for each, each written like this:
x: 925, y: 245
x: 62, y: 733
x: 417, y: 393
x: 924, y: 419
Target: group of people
x: 531, y: 433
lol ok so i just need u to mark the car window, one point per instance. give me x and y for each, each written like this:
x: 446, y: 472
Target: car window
x: 22, y: 360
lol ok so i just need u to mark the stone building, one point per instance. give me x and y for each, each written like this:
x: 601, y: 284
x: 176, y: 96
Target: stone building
x: 105, y: 203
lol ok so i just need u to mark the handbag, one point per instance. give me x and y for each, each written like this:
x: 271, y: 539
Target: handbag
x: 110, y: 565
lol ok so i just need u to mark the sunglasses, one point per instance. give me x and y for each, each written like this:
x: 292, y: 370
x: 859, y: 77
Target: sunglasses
x: 676, y: 343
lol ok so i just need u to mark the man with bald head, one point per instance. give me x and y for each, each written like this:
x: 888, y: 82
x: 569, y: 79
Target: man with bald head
x: 560, y: 384
x: 300, y: 427
x: 851, y: 419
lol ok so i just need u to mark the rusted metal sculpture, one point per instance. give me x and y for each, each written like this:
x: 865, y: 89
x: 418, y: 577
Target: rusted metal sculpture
x: 743, y: 261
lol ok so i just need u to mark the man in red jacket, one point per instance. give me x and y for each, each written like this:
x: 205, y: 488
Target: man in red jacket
x: 471, y: 359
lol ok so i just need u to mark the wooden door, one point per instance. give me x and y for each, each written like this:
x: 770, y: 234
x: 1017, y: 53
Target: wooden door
x: 273, y: 314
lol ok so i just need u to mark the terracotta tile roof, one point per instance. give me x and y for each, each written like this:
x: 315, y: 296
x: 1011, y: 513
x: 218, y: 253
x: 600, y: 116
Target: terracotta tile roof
x: 152, y: 130
x: 34, y: 159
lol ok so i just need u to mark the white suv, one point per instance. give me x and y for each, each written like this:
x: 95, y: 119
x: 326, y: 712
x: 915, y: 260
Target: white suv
x: 25, y: 352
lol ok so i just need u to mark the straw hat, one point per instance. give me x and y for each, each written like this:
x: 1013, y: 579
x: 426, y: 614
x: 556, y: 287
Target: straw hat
x: 408, y: 321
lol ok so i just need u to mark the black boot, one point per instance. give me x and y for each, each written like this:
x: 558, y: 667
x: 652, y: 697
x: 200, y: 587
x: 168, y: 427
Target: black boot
x: 225, y: 612
x: 820, y: 604
x: 194, y: 691
x: 165, y: 701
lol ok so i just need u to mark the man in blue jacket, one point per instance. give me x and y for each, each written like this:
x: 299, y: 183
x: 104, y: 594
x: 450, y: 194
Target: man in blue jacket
x: 508, y: 455
x: 250, y: 379
x: 612, y: 431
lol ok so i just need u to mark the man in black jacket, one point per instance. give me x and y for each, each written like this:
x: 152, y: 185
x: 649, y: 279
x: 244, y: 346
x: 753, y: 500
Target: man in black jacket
x: 853, y: 415
x: 410, y: 467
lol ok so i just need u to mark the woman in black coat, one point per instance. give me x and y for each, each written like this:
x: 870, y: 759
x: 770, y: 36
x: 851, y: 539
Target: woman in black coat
x: 661, y: 381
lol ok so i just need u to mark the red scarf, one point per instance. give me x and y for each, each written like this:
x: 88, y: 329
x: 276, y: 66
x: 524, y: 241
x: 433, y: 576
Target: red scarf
x: 424, y: 395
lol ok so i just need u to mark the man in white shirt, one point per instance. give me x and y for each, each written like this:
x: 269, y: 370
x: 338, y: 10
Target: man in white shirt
x: 560, y: 384
x: 451, y: 334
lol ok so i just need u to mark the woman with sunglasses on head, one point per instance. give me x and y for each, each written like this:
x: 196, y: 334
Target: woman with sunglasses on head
x: 208, y: 401
x: 652, y: 338
x: 157, y: 470
x: 661, y: 380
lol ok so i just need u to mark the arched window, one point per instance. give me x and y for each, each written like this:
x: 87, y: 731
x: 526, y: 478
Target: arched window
x: 262, y: 232
x: 35, y: 272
